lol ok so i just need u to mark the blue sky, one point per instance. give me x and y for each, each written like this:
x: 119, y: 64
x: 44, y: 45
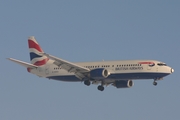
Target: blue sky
x: 89, y: 31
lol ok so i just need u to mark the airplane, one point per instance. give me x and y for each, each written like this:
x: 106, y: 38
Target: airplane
x: 103, y: 73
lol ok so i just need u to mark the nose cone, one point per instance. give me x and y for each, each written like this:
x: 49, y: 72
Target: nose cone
x: 172, y: 70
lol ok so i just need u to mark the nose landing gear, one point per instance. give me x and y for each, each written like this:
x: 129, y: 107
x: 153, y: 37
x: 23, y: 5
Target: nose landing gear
x: 154, y: 83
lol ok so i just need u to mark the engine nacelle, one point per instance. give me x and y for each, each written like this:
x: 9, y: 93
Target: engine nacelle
x: 99, y: 73
x: 124, y: 84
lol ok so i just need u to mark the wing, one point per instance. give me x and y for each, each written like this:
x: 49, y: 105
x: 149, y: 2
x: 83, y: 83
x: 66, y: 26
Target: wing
x: 79, y: 71
x: 27, y: 65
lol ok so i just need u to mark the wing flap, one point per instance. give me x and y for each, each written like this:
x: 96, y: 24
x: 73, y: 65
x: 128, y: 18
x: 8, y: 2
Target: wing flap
x: 25, y: 64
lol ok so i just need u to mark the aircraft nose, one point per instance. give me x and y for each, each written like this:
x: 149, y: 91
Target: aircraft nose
x: 172, y: 70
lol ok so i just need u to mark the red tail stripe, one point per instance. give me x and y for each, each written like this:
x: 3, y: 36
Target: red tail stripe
x: 42, y: 62
x: 34, y: 45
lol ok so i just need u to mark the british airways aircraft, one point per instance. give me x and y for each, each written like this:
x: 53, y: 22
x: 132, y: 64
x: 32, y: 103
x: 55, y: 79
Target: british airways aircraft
x: 116, y: 73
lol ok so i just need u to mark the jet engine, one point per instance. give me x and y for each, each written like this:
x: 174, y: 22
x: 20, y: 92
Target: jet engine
x: 99, y: 73
x: 123, y: 84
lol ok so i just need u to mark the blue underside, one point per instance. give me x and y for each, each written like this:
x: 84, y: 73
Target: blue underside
x: 121, y: 76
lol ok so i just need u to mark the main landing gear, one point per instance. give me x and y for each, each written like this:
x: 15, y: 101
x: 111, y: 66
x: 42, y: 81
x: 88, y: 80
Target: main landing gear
x: 87, y: 82
x: 100, y: 87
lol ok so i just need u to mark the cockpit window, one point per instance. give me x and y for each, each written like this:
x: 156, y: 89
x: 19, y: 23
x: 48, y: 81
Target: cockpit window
x: 161, y: 64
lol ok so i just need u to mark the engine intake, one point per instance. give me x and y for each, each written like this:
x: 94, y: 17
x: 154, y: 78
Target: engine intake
x: 124, y: 84
x: 99, y: 73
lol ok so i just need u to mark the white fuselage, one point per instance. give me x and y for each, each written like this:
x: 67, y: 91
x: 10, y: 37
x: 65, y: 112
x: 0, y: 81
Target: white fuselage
x: 118, y: 70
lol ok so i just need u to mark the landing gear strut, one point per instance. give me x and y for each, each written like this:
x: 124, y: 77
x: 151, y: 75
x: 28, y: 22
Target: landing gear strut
x: 87, y: 82
x: 100, y: 87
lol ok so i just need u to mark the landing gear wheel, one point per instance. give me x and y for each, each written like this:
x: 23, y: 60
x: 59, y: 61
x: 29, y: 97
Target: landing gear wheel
x: 87, y: 82
x: 154, y: 83
x: 100, y: 87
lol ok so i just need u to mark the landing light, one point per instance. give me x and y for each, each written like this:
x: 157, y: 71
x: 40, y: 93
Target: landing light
x: 172, y: 70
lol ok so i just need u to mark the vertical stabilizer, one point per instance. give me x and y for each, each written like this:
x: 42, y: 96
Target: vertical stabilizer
x: 36, y: 51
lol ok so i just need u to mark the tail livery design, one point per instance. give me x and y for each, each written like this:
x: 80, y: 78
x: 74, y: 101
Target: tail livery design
x: 35, y: 52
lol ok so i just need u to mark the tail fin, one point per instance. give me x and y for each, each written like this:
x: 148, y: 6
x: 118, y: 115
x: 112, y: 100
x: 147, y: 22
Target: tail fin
x: 36, y: 51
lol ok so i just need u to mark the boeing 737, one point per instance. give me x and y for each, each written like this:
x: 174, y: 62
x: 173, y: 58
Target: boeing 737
x: 116, y: 73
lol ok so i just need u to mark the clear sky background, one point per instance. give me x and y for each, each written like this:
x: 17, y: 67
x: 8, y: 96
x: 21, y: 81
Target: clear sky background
x: 94, y: 30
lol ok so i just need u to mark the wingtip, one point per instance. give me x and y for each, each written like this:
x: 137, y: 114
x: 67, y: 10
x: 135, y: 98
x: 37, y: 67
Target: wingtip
x: 8, y: 58
x: 11, y: 59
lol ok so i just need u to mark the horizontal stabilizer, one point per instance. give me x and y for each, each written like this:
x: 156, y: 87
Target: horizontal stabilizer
x: 25, y: 64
